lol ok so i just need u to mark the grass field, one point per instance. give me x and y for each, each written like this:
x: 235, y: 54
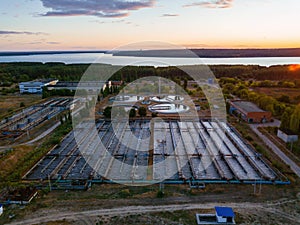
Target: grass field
x: 284, y: 198
x: 11, y: 103
x: 277, y: 92
x: 17, y: 161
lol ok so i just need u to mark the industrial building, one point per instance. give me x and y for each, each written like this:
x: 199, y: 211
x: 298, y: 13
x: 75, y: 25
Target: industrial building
x: 36, y: 86
x: 90, y: 87
x: 182, y: 152
x: 32, y: 116
x: 249, y: 112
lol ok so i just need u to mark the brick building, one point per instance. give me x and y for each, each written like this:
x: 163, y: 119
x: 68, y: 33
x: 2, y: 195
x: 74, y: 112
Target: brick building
x: 249, y: 112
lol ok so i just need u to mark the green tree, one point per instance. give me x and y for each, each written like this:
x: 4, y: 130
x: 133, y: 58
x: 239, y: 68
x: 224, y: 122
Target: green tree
x: 107, y: 112
x: 185, y: 82
x: 266, y: 103
x: 154, y: 114
x: 132, y: 113
x: 295, y: 119
x: 286, y: 118
x: 61, y: 120
x: 45, y: 92
x: 142, y: 111
x: 243, y: 94
x: 228, y: 88
x: 252, y: 96
x: 279, y: 108
x: 284, y: 98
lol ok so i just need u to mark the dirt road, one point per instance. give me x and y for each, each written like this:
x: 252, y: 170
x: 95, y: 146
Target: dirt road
x: 87, y: 216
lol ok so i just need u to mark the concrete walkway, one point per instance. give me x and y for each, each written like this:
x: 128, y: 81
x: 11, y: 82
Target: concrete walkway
x: 294, y: 167
x: 44, y: 134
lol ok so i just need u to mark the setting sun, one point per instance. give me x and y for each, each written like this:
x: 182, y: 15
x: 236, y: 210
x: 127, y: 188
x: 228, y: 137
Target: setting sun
x: 294, y: 67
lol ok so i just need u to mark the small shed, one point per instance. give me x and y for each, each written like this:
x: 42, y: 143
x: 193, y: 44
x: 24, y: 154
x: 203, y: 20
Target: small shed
x: 1, y: 209
x: 224, y: 214
x: 287, y: 135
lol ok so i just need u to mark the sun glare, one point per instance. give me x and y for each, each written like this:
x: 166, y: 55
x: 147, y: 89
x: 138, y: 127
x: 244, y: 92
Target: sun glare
x: 294, y: 67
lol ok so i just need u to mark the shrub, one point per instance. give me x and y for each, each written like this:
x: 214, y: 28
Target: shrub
x: 160, y: 194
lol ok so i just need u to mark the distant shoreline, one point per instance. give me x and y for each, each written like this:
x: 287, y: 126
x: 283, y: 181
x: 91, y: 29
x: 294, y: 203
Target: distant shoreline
x: 214, y: 53
x: 176, y: 53
x: 26, y: 53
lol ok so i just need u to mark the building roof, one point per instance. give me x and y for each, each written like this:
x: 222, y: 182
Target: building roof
x: 81, y: 84
x: 246, y: 106
x: 287, y: 131
x: 224, y: 211
x: 38, y: 81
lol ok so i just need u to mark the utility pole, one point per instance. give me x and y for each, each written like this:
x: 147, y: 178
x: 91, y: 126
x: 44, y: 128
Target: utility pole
x: 292, y: 146
x: 161, y: 187
x: 49, y: 182
x: 260, y: 187
x: 159, y: 86
x: 28, y: 136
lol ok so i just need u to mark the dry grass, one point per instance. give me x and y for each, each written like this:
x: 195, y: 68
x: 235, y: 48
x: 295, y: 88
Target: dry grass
x: 9, y: 103
x: 9, y: 162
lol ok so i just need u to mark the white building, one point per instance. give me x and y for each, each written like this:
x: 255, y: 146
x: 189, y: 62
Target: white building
x: 1, y: 209
x: 35, y: 87
x: 224, y: 214
x: 287, y: 136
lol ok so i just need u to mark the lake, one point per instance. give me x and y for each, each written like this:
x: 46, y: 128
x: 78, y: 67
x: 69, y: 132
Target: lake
x: 149, y: 61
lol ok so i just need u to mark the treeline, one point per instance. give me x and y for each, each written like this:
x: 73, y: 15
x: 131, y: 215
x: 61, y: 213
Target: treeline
x: 256, y: 72
x: 46, y: 93
x: 11, y: 73
x: 56, y: 92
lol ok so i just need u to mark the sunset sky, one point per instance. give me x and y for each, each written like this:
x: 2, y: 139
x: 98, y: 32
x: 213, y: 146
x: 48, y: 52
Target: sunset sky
x: 107, y: 24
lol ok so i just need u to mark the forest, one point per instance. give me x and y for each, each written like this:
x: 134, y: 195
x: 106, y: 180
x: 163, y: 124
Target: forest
x: 12, y: 73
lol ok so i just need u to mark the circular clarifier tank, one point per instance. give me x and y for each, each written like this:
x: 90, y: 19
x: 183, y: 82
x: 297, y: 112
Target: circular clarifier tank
x: 169, y: 108
x: 167, y: 99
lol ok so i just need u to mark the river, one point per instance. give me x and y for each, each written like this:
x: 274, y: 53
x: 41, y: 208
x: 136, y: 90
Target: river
x: 71, y: 58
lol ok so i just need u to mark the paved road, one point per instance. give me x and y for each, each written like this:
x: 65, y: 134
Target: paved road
x: 86, y: 216
x: 294, y: 167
